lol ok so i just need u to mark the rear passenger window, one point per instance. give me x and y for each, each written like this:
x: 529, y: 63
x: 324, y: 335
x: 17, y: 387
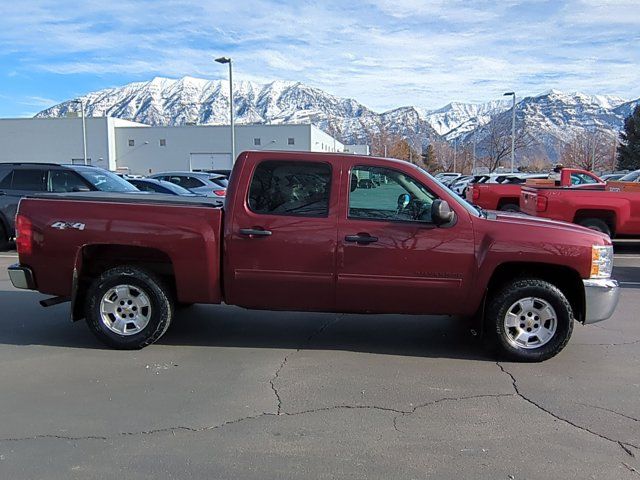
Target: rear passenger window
x: 291, y: 188
x: 187, y: 182
x: 29, y: 180
x: 5, y: 179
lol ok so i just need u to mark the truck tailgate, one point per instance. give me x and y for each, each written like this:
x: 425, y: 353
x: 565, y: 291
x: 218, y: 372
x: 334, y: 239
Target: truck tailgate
x: 528, y: 200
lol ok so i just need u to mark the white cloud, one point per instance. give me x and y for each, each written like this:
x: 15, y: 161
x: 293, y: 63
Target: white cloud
x: 384, y: 53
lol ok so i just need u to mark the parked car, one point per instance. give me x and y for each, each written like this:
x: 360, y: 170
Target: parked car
x: 448, y: 178
x: 153, y: 185
x: 202, y: 183
x: 460, y: 185
x: 609, y: 177
x: 20, y: 179
x: 631, y: 177
x: 297, y: 234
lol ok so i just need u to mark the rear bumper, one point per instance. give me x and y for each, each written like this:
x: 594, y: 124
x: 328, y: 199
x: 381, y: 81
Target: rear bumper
x: 601, y: 299
x: 22, y: 277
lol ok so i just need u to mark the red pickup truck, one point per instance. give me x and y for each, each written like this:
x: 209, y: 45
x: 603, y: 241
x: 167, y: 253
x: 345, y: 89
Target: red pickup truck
x: 298, y: 233
x: 615, y: 213
x: 506, y: 195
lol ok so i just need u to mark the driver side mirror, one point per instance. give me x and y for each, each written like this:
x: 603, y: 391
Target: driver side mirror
x: 441, y: 212
x: 403, y: 200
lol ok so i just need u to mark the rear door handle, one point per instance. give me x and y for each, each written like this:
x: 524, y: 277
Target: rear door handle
x: 361, y: 238
x: 255, y: 232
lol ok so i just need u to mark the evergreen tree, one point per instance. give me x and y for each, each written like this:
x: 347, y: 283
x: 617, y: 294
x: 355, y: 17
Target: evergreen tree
x: 629, y: 149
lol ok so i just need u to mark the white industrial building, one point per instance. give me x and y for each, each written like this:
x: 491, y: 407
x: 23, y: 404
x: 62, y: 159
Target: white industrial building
x: 136, y: 148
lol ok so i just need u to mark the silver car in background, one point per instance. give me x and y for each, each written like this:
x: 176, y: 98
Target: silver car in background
x: 202, y: 183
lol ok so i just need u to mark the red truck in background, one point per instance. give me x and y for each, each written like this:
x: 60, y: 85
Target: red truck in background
x: 615, y: 213
x: 298, y: 233
x: 506, y: 196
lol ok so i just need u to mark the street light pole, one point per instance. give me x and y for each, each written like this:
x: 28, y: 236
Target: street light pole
x: 224, y: 60
x: 513, y: 130
x: 84, y: 131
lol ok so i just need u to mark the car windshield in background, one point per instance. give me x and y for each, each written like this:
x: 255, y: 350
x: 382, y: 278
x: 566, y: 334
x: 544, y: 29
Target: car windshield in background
x: 631, y: 177
x: 104, y: 180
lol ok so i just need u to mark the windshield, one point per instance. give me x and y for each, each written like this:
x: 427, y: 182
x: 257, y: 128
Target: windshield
x: 104, y: 180
x: 456, y: 198
x: 220, y: 181
x: 631, y: 177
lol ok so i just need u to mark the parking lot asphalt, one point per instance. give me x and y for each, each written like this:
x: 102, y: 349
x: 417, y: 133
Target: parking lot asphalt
x: 231, y: 393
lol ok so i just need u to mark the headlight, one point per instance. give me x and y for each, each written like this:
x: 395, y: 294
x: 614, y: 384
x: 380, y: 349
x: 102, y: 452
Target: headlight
x: 601, y: 261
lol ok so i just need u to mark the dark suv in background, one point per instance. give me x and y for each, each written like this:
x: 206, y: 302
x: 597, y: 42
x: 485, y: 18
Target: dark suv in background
x: 20, y: 179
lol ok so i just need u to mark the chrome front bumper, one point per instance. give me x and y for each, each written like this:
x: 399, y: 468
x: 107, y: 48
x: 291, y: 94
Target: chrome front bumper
x: 601, y: 298
x: 21, y: 277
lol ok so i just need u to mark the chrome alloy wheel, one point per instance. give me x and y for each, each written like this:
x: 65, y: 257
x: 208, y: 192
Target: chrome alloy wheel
x: 125, y: 310
x: 530, y: 323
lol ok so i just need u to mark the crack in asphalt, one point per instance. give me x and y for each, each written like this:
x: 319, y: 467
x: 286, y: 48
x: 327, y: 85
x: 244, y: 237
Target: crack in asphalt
x: 623, y: 445
x: 609, y: 410
x: 313, y: 334
x: 444, y: 399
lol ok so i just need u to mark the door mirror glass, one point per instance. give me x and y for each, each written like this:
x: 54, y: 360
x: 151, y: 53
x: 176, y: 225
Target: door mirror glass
x: 403, y: 201
x: 441, y: 212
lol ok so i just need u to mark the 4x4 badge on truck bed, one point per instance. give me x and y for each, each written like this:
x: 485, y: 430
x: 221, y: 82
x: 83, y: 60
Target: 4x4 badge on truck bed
x: 65, y: 225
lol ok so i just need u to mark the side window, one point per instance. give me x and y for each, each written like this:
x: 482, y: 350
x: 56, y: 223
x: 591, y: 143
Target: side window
x: 65, y: 181
x: 581, y: 179
x: 29, y: 180
x: 5, y: 179
x: 189, y: 182
x: 291, y: 188
x: 379, y: 193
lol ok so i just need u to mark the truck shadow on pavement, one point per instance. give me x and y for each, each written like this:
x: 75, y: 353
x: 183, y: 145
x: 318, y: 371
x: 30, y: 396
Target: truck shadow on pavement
x: 24, y: 322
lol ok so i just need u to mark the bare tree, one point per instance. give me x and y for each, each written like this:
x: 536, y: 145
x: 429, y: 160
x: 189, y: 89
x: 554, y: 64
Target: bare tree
x: 496, y: 142
x: 589, y: 151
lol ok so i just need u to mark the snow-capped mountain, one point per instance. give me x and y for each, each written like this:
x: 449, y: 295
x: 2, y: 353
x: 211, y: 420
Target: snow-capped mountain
x: 164, y: 101
x: 551, y: 117
x: 456, y: 119
x: 554, y: 118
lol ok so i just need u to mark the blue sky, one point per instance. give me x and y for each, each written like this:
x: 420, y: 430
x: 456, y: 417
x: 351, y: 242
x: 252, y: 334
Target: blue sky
x: 383, y: 53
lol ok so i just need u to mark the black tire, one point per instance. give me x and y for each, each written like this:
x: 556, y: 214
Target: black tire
x: 160, y: 301
x: 5, y: 241
x: 510, y: 207
x: 596, y: 224
x: 499, y: 304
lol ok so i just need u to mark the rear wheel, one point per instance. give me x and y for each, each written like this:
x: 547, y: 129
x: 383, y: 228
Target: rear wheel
x: 529, y: 320
x: 510, y: 207
x: 128, y: 308
x: 596, y: 224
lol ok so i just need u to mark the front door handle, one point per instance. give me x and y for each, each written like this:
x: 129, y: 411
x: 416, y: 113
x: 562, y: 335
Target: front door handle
x: 361, y: 238
x: 255, y: 232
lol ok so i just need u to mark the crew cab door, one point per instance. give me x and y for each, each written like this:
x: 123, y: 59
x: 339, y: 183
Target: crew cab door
x: 280, y: 249
x: 391, y: 257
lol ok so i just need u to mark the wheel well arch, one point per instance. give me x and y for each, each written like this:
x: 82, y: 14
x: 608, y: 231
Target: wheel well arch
x: 93, y: 260
x: 607, y: 216
x: 507, y: 201
x: 564, y: 278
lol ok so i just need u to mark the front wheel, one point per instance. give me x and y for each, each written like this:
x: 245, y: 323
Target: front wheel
x: 128, y: 308
x: 529, y: 320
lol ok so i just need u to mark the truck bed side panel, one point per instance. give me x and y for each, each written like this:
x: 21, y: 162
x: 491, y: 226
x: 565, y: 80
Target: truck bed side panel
x: 188, y: 235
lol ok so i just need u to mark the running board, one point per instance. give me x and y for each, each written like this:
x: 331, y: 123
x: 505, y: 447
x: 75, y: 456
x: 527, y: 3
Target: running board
x: 50, y: 302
